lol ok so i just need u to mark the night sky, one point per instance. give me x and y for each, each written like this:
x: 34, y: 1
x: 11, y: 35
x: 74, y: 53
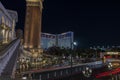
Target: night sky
x: 93, y: 22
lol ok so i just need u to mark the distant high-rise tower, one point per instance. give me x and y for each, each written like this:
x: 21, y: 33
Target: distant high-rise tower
x: 32, y: 31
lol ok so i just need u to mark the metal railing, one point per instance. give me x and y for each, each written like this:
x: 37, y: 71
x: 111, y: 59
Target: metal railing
x: 60, y: 72
x: 7, y: 53
x: 2, y: 53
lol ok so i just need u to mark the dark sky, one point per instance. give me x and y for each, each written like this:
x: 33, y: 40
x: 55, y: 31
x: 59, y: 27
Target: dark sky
x: 93, y: 22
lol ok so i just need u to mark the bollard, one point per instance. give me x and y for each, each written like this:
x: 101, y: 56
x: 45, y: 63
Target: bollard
x: 48, y: 76
x: 118, y: 76
x: 66, y: 71
x: 80, y: 69
x: 76, y: 69
x: 61, y: 73
x: 55, y: 74
x: 40, y: 77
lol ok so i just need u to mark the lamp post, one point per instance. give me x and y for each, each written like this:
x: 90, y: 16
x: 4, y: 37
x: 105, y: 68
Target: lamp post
x: 72, y: 47
x: 74, y: 44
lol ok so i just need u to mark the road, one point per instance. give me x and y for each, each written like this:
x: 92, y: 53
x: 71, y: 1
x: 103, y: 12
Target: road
x: 106, y: 73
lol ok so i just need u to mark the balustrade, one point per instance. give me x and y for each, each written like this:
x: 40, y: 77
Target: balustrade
x: 6, y: 55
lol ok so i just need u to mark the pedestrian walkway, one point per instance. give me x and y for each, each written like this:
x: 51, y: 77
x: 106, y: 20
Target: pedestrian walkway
x: 9, y: 68
x: 4, y: 47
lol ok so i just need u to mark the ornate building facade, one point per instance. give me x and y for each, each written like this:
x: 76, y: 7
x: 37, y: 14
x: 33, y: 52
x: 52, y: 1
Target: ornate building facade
x: 8, y: 19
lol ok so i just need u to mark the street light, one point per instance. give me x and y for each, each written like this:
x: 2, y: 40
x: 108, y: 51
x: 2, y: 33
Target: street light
x: 87, y: 72
x: 74, y: 44
x: 110, y: 66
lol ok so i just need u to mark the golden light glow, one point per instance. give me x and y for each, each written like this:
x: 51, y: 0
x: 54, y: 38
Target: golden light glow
x: 33, y: 0
x: 35, y: 55
x: 25, y: 46
x: 113, y: 53
x: 30, y: 46
x: 115, y: 64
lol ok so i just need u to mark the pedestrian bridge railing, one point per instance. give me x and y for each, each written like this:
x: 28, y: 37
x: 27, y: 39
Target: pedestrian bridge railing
x: 6, y: 54
x: 53, y: 73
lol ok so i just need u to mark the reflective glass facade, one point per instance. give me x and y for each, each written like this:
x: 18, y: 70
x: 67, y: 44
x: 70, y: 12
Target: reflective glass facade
x: 63, y: 40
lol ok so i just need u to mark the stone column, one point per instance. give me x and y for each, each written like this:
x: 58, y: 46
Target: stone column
x: 13, y: 29
x: 3, y: 29
x: 26, y: 28
x: 6, y: 36
x: 3, y: 34
x: 10, y: 35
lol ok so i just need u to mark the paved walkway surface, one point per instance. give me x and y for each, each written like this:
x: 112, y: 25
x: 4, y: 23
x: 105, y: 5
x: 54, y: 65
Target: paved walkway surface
x: 5, y: 47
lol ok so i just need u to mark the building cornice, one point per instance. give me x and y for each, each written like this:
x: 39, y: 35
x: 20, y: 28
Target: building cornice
x: 32, y: 0
x: 33, y: 4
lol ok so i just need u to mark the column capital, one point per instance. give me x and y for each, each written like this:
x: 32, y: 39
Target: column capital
x: 35, y: 3
x: 34, y: 0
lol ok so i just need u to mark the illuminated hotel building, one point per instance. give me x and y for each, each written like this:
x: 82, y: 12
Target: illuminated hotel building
x: 63, y: 40
x: 48, y: 40
x: 8, y: 19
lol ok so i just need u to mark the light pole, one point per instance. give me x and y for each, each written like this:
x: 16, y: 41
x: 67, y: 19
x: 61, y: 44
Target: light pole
x: 72, y: 48
x: 74, y: 44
